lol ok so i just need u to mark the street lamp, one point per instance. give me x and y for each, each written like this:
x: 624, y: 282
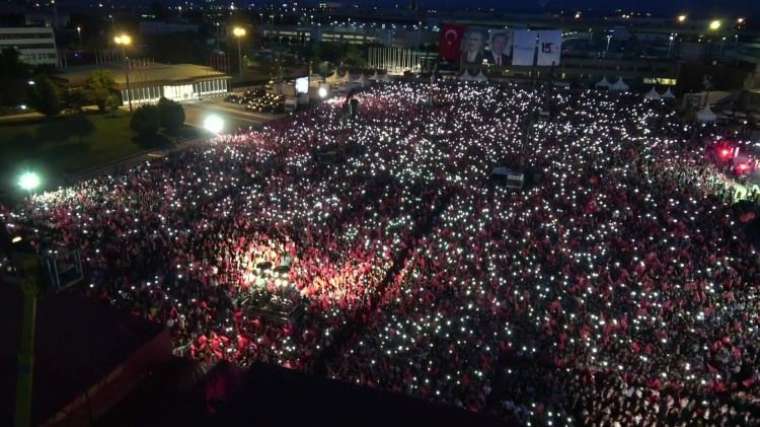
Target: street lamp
x: 607, y: 50
x: 681, y: 18
x: 29, y: 181
x: 79, y: 35
x: 214, y: 124
x: 239, y: 33
x: 322, y: 91
x: 123, y: 40
x: 715, y: 25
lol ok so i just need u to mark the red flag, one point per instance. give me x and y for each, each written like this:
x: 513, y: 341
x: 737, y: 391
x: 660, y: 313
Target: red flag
x: 451, y: 37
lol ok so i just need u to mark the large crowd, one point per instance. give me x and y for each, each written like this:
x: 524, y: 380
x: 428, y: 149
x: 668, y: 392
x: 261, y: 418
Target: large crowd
x: 617, y: 288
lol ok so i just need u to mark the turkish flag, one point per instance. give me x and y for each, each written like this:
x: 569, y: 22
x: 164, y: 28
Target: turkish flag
x: 451, y: 38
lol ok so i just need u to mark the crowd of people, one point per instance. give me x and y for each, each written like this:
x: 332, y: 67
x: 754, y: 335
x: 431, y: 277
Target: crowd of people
x: 616, y: 288
x: 258, y: 101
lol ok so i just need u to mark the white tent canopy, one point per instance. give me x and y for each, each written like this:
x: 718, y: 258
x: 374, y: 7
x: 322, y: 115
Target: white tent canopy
x: 652, y: 94
x: 668, y: 94
x: 619, y: 85
x: 481, y: 77
x: 603, y: 83
x: 374, y: 76
x: 706, y: 115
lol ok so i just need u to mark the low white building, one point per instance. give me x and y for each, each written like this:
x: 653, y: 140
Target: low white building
x: 149, y: 82
x: 36, y: 45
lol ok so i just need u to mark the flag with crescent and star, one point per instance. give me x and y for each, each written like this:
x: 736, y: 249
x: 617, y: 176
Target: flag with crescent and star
x: 451, y: 37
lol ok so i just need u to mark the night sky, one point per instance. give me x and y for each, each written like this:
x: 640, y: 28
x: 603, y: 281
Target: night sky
x: 702, y: 7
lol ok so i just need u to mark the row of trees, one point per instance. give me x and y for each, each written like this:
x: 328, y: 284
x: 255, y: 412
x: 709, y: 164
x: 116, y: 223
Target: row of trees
x: 50, y: 98
x: 147, y: 120
x: 22, y: 84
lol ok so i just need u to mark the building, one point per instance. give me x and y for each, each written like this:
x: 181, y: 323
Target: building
x: 36, y: 45
x: 88, y: 356
x: 149, y: 82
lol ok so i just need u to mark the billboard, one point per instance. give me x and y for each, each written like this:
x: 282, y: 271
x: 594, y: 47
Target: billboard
x: 524, y: 50
x: 549, y: 48
x: 302, y: 85
x: 473, y: 47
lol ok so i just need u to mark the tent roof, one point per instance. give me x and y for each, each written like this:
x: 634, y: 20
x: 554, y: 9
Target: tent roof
x: 603, y: 83
x: 706, y: 115
x: 619, y: 85
x: 652, y: 94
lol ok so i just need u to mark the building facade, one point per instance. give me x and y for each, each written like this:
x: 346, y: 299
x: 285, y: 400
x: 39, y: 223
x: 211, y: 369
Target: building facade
x: 36, y: 45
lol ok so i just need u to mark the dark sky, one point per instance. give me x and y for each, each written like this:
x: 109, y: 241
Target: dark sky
x: 729, y: 7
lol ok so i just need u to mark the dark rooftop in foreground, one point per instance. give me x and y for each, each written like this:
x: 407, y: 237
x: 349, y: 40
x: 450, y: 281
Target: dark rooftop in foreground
x: 78, y: 343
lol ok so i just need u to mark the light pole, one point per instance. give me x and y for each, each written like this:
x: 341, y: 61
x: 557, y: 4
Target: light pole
x: 239, y: 33
x: 671, y: 39
x: 79, y: 35
x: 714, y: 26
x: 607, y: 50
x: 29, y: 181
x: 124, y: 40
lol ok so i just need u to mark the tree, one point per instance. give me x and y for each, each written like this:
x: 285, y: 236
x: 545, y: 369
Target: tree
x: 172, y: 115
x: 146, y: 121
x: 45, y: 96
x: 74, y: 99
x: 114, y: 102
x: 99, y: 87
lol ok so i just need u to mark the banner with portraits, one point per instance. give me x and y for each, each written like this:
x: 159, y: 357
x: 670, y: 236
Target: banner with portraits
x: 549, y: 48
x: 475, y: 47
x: 524, y: 50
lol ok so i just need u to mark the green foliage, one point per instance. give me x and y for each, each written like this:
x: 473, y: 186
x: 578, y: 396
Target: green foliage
x: 99, y: 87
x: 74, y: 99
x: 114, y: 102
x: 172, y: 115
x: 353, y: 56
x: 45, y: 97
x: 146, y: 121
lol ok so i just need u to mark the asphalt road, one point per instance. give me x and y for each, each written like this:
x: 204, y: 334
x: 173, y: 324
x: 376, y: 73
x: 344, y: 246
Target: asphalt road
x: 234, y: 117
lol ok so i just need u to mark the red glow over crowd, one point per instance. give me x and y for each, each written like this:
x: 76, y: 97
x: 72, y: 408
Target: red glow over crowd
x: 618, y: 288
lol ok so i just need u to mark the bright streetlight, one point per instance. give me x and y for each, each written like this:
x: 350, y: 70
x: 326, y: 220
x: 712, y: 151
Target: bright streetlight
x: 322, y: 91
x: 29, y: 181
x: 213, y: 123
x: 123, y: 40
x: 715, y: 24
x: 681, y: 18
x: 239, y: 33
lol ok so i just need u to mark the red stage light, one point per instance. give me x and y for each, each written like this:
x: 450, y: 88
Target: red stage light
x: 725, y: 153
x: 742, y: 168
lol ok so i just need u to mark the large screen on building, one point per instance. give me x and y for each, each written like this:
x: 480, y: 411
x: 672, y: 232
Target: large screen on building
x: 302, y: 85
x: 474, y: 46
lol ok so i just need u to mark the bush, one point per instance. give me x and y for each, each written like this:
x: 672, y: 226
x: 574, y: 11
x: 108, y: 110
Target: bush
x: 146, y: 121
x: 100, y: 86
x: 74, y: 99
x: 45, y: 97
x: 172, y: 115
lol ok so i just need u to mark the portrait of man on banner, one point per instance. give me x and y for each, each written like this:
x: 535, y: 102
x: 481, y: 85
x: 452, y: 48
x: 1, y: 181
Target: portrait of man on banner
x: 500, y: 52
x: 472, y: 50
